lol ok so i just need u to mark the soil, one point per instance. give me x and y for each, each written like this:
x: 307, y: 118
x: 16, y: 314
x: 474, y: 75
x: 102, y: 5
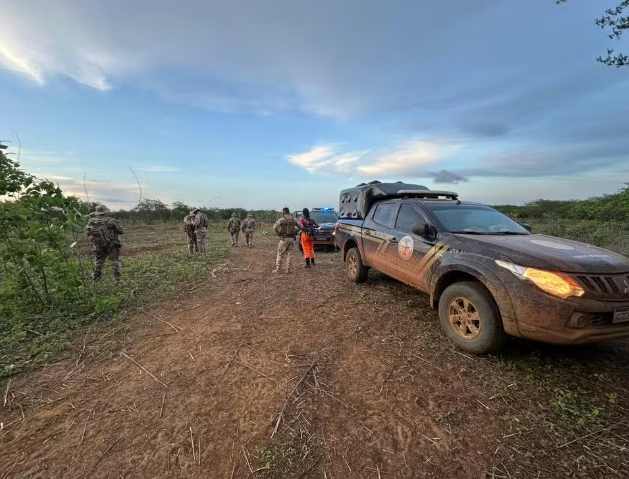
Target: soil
x: 365, y: 383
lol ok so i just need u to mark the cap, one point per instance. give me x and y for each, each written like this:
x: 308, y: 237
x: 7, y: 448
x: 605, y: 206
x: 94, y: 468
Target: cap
x: 101, y: 209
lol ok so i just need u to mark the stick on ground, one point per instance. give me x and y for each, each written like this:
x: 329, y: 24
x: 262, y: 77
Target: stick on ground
x: 85, y: 427
x: 103, y: 454
x: 192, y: 442
x: 230, y: 361
x: 176, y: 328
x: 161, y: 411
x: 244, y: 452
x: 281, y: 414
x: 143, y: 368
x: 258, y: 372
x: 6, y: 393
x: 386, y: 379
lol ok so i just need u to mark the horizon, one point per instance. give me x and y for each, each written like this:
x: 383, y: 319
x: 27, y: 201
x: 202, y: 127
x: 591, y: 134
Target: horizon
x: 259, y: 106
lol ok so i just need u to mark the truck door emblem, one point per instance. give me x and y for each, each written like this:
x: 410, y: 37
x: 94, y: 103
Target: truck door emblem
x: 405, y: 248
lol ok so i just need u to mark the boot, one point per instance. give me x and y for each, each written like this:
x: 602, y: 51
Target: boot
x: 307, y: 263
x: 312, y: 261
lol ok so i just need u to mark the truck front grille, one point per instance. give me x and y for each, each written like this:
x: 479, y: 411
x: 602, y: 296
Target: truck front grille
x: 606, y: 287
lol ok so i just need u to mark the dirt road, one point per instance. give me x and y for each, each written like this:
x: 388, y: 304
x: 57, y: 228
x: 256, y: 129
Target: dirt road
x: 362, y: 381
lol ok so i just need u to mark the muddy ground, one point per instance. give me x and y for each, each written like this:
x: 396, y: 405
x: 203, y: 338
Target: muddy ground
x: 250, y: 374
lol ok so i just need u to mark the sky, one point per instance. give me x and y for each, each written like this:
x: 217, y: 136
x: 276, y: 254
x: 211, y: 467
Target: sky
x: 265, y: 103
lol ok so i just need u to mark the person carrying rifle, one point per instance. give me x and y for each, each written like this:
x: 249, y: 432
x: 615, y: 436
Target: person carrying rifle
x: 286, y: 228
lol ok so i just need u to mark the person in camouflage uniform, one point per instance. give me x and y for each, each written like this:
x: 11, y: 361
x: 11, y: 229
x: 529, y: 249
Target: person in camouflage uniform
x: 188, y: 227
x: 248, y: 228
x: 104, y: 232
x: 233, y: 226
x: 286, y: 228
x: 201, y: 224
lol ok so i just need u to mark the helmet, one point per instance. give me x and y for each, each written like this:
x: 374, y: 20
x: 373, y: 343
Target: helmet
x: 249, y: 215
x: 196, y: 210
x: 234, y: 215
x: 101, y: 210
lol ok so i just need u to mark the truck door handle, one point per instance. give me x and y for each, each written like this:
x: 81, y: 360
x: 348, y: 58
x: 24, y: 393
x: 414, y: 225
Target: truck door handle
x: 393, y: 240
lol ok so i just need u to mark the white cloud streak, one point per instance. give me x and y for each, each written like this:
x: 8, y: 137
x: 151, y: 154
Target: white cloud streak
x: 409, y: 158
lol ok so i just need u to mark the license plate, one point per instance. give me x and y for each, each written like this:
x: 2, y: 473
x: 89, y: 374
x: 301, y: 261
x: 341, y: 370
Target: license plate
x: 621, y: 315
x: 325, y: 239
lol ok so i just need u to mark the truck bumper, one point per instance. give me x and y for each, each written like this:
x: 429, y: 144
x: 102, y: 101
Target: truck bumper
x: 548, y: 319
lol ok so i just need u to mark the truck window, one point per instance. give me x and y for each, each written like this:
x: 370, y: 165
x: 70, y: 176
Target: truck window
x: 407, y: 217
x: 384, y: 214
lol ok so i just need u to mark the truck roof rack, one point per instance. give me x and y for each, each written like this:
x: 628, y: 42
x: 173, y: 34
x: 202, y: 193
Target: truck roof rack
x: 432, y: 194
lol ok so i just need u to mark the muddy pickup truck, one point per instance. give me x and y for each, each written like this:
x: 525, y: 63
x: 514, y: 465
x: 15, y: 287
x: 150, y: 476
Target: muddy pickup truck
x: 488, y: 276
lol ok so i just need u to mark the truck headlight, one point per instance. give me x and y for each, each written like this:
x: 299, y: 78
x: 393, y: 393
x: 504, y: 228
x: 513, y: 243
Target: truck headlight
x: 553, y: 282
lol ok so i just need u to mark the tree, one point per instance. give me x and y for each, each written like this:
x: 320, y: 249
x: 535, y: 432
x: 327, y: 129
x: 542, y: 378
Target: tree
x: 38, y: 264
x: 616, y: 21
x: 152, y: 210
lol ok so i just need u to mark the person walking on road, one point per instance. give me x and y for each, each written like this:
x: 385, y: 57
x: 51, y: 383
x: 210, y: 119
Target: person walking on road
x: 307, y: 237
x: 188, y: 227
x: 201, y: 224
x: 233, y: 225
x: 104, y: 232
x: 248, y: 228
x: 286, y: 228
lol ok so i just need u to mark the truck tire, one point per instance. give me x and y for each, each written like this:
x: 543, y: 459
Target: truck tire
x: 356, y: 270
x: 470, y: 318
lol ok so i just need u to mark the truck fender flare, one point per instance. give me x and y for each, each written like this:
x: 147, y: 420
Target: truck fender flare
x: 488, y: 279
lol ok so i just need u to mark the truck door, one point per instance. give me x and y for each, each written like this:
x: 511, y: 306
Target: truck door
x: 412, y: 257
x: 376, y: 234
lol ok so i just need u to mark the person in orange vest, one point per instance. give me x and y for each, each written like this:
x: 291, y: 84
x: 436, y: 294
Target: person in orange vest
x: 307, y: 237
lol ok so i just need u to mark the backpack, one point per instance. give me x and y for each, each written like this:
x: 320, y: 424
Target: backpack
x: 100, y: 235
x: 201, y: 219
x: 309, y: 228
x: 188, y: 224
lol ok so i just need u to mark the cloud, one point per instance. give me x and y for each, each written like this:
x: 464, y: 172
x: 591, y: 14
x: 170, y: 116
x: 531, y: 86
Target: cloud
x: 325, y: 158
x: 210, y: 51
x: 447, y: 177
x: 406, y: 159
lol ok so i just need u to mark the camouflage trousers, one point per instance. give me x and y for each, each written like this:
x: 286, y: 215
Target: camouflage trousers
x: 113, y: 254
x: 249, y: 238
x: 285, y: 249
x: 235, y: 235
x: 192, y: 242
x: 201, y: 233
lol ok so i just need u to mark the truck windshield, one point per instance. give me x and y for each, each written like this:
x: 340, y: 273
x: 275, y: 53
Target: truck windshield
x: 471, y: 219
x: 324, y: 217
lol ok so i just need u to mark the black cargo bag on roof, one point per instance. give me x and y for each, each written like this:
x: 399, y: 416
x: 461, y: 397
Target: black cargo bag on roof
x: 355, y: 203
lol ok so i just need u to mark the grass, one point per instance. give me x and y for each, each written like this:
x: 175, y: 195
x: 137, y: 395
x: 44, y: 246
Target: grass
x: 605, y: 234
x: 274, y: 459
x: 155, y: 265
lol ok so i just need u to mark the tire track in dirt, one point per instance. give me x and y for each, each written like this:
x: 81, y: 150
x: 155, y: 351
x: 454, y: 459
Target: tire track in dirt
x: 381, y: 397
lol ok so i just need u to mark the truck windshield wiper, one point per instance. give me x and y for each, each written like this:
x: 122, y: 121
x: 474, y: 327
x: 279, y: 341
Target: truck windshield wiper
x: 487, y: 233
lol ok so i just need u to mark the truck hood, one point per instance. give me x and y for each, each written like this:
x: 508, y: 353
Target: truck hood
x: 549, y: 252
x: 326, y: 226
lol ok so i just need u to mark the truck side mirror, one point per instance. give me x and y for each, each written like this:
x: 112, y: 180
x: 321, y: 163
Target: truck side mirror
x: 420, y: 229
x: 527, y: 227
